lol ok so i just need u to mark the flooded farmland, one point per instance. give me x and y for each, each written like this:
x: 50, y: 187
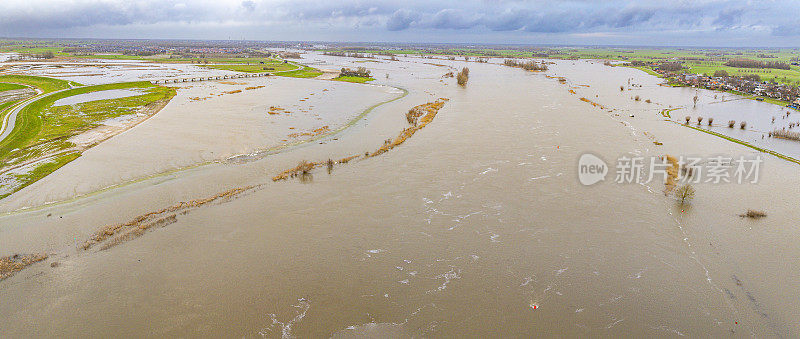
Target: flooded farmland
x: 475, y: 226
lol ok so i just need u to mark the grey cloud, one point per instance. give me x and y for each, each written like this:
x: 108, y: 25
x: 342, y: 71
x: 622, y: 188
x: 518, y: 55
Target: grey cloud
x: 249, y: 5
x: 519, y: 18
x: 400, y: 20
x: 453, y: 19
x: 729, y: 17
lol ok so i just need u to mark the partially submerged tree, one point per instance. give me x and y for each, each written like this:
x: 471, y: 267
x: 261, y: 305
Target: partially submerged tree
x: 462, y: 77
x: 684, y: 194
x: 361, y: 72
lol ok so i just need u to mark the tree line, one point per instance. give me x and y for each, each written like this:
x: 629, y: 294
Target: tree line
x: 748, y: 63
x: 526, y: 65
x: 361, y: 72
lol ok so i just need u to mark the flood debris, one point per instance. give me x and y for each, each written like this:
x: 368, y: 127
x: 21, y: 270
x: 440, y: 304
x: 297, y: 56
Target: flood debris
x: 753, y: 214
x: 593, y: 103
x: 672, y: 174
x: 113, y: 235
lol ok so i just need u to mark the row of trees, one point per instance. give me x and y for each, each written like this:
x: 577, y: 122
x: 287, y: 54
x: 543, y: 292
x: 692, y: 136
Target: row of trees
x: 526, y: 65
x: 361, y: 72
x: 670, y: 66
x: 346, y: 54
x: 748, y: 63
x: 721, y: 73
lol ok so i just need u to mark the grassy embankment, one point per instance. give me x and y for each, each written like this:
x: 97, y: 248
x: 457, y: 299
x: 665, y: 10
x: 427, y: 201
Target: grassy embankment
x: 305, y: 72
x: 744, y: 143
x: 47, y: 85
x: 42, y: 130
x: 10, y: 87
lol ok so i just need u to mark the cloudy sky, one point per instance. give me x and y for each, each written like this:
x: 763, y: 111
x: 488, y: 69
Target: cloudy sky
x: 613, y: 22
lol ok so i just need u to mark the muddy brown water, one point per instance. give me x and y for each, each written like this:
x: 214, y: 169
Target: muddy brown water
x: 476, y: 226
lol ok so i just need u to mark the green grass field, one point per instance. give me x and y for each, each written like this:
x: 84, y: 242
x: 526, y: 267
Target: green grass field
x: 47, y: 85
x: 698, y: 61
x: 260, y: 68
x: 305, y: 72
x: 10, y: 87
x: 359, y: 80
x: 41, y: 128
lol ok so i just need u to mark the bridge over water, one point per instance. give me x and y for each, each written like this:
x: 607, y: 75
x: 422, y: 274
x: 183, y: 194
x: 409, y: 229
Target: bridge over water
x: 209, y: 78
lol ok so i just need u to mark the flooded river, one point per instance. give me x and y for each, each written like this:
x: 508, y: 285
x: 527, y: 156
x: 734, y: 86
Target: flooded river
x: 476, y: 226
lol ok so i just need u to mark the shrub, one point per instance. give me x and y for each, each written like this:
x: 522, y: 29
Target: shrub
x: 685, y: 194
x: 731, y: 123
x: 743, y: 124
x: 753, y: 214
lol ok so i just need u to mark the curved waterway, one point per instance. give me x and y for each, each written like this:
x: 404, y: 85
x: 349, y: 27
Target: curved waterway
x: 475, y: 226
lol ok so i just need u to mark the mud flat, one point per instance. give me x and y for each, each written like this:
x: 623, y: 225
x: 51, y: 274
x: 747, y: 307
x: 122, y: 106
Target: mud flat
x: 475, y: 226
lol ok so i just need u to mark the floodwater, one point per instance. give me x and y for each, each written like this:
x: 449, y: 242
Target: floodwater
x: 94, y: 96
x: 97, y: 72
x: 476, y: 226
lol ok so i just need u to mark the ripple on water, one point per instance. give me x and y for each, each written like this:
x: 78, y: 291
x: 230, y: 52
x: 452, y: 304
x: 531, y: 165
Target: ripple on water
x: 285, y: 328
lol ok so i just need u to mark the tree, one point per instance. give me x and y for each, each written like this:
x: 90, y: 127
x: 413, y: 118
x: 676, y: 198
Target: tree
x: 462, y: 77
x: 720, y: 74
x: 685, y: 193
x: 695, y: 99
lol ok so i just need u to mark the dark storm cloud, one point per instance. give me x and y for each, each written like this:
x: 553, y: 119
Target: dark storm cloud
x: 742, y: 20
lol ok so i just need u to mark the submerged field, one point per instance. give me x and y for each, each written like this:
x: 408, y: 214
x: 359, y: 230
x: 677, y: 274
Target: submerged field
x: 474, y: 225
x: 40, y: 143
